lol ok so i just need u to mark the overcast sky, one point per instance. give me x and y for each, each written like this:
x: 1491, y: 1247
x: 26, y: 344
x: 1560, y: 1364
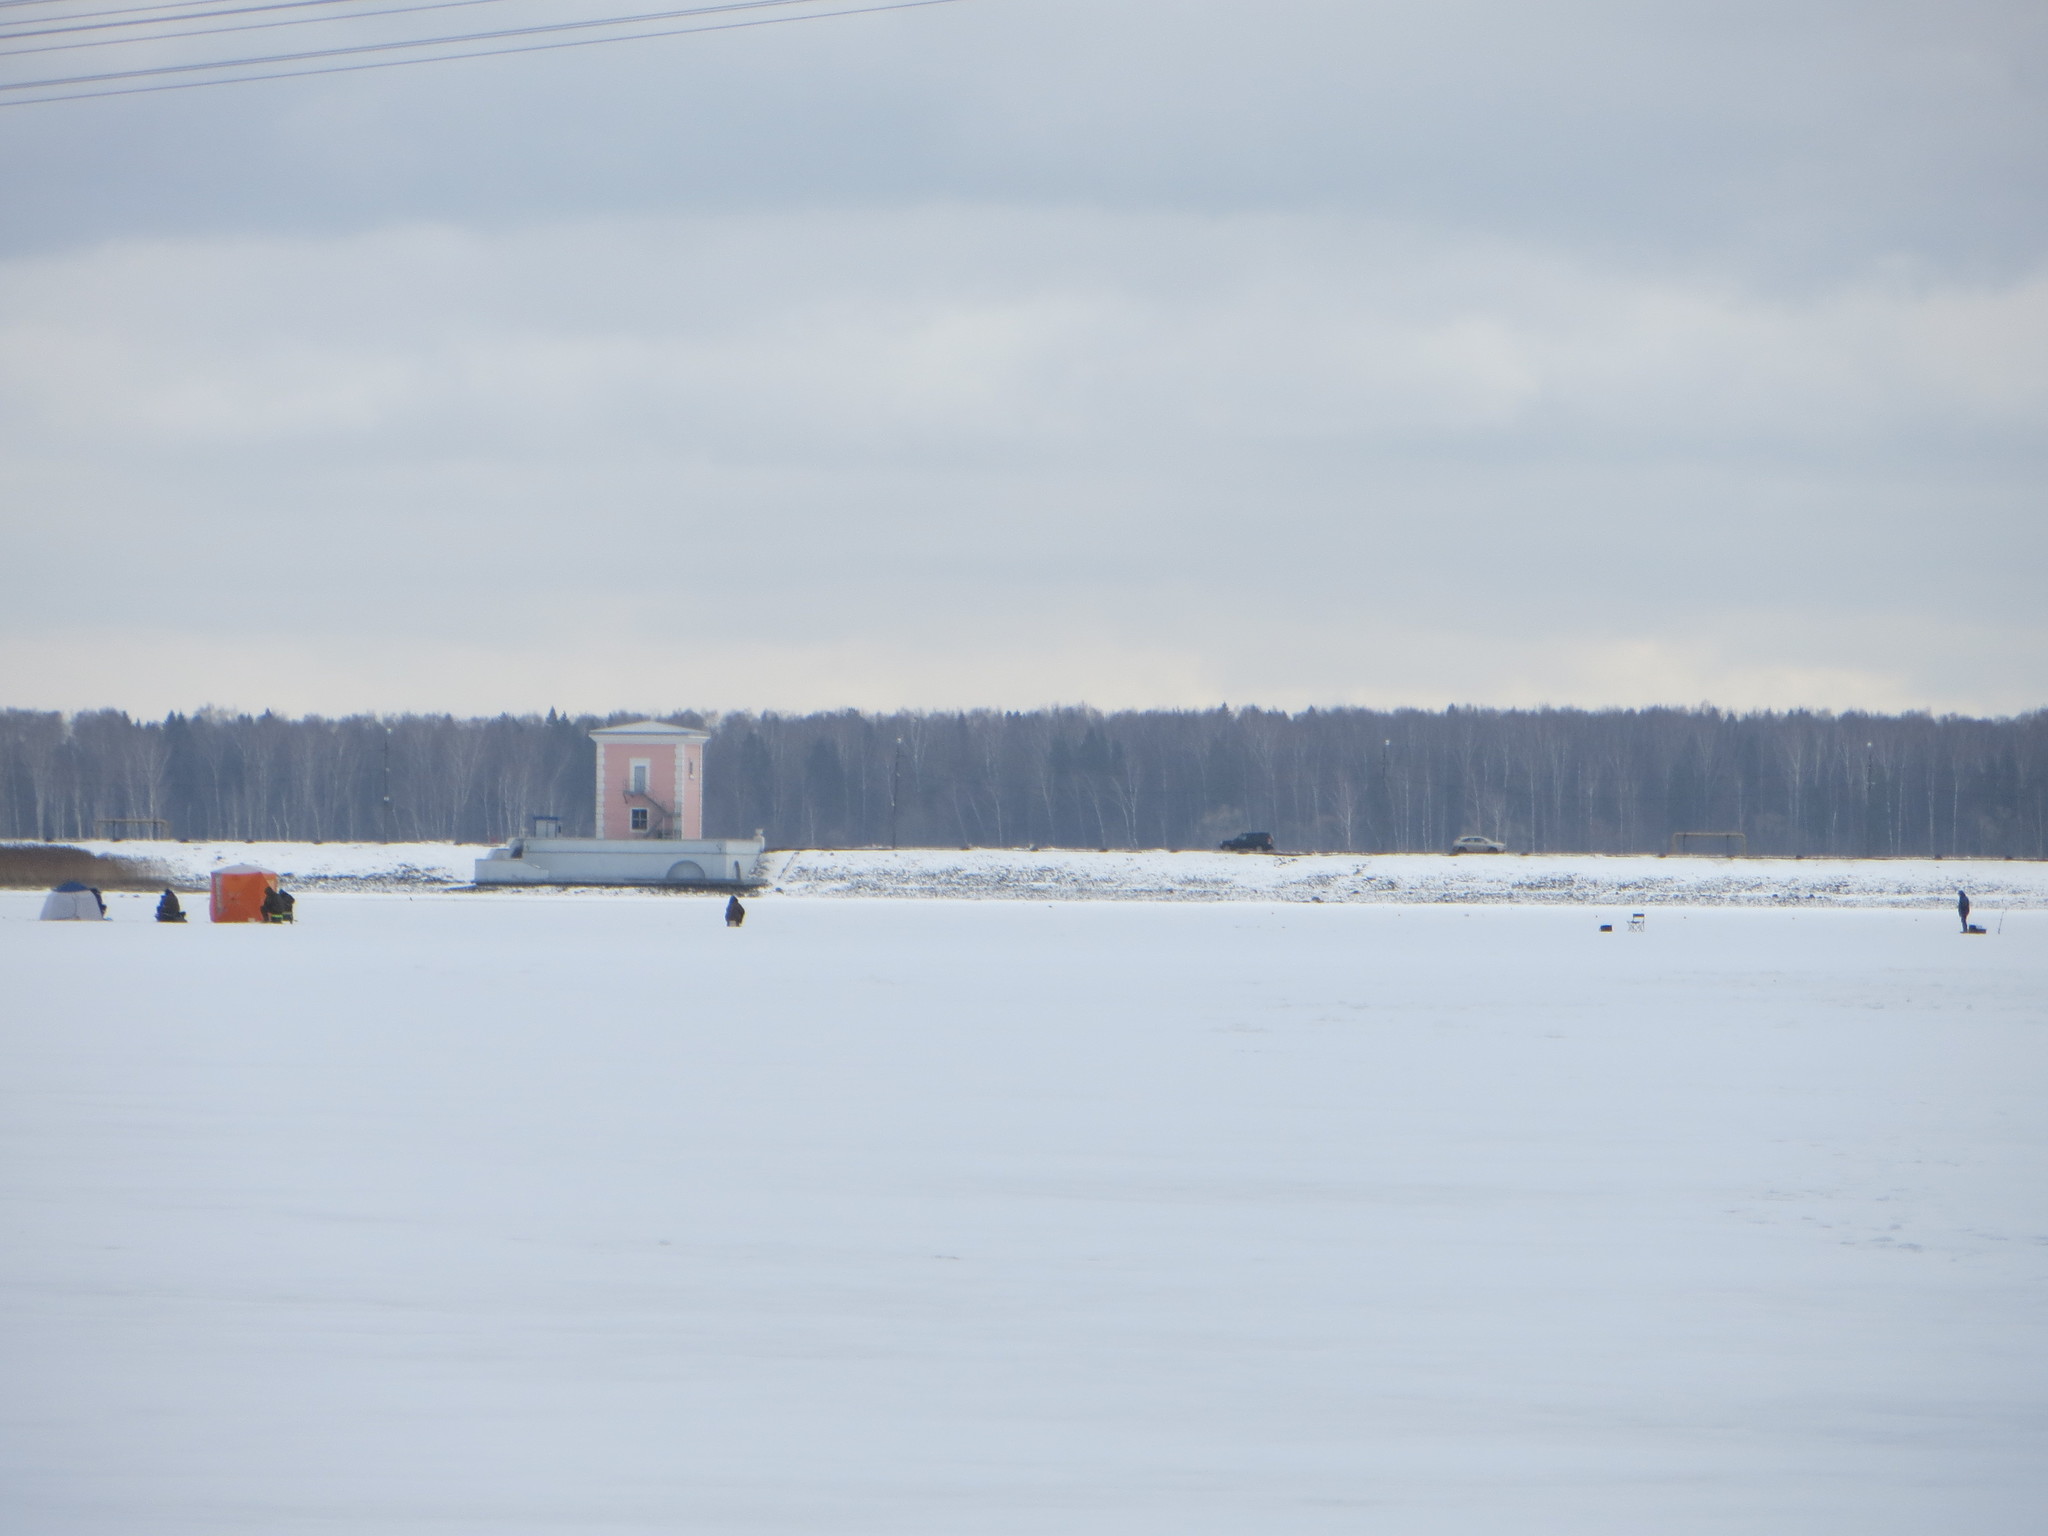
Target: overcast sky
x: 1008, y: 352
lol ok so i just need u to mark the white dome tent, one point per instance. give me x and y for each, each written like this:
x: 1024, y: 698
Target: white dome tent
x: 74, y: 902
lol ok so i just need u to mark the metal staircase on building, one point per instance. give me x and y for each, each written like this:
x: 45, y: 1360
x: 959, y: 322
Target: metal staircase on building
x: 666, y: 829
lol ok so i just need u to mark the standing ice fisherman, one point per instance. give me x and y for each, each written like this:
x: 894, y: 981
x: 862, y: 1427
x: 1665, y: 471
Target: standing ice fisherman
x: 735, y: 914
x: 1963, y: 908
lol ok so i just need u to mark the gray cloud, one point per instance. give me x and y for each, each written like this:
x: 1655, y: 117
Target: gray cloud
x: 1010, y: 352
x: 1815, y: 133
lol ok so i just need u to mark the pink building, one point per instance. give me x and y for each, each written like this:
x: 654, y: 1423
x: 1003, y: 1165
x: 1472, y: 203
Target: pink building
x: 650, y: 823
x: 650, y: 781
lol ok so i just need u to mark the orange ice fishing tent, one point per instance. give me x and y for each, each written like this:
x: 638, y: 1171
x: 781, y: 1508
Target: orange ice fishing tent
x: 238, y: 892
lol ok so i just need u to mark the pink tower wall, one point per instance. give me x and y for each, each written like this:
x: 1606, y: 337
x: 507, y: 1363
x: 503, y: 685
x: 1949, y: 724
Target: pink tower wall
x: 693, y: 791
x: 691, y: 800
x: 675, y: 777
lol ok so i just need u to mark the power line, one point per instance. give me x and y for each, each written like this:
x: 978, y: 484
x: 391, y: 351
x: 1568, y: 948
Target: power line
x: 246, y: 26
x: 397, y: 45
x: 291, y: 21
x: 8, y: 5
x: 445, y: 58
x: 72, y: 23
x: 186, y: 6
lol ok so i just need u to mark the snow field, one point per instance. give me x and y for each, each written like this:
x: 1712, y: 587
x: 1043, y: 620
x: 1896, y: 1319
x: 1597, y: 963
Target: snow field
x: 453, y: 1214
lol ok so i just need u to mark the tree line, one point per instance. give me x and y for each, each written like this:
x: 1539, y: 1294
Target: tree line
x: 1359, y: 780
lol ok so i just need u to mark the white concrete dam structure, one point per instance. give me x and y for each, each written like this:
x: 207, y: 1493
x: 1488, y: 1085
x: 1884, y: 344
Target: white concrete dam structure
x: 730, y: 861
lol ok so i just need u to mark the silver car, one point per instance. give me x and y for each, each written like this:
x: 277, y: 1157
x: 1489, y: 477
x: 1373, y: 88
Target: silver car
x: 1474, y: 844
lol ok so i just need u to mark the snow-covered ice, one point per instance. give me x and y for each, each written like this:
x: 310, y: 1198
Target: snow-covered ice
x: 453, y: 1214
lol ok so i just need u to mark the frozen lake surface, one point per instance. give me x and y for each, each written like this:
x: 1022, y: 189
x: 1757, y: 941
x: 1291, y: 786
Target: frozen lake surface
x: 452, y: 1214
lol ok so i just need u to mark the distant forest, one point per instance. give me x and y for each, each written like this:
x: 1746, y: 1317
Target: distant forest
x: 1550, y: 780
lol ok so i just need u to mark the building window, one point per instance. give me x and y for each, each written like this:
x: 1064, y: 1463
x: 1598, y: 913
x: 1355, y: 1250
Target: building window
x: 639, y: 818
x: 637, y: 776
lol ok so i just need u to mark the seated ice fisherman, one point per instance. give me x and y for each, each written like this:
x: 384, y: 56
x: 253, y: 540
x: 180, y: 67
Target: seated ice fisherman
x: 167, y: 908
x: 277, y: 905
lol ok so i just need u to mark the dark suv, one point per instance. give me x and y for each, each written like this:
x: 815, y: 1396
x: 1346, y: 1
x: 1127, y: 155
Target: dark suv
x: 1248, y: 842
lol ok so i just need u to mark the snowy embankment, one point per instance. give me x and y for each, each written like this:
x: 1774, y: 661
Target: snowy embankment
x: 1007, y: 874
x: 308, y: 866
x: 1563, y: 879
